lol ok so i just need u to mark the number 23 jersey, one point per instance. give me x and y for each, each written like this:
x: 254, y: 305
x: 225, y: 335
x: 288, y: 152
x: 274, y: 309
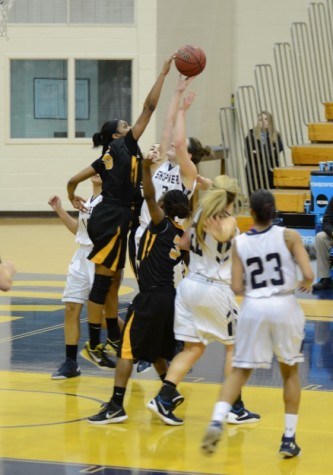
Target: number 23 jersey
x: 268, y: 265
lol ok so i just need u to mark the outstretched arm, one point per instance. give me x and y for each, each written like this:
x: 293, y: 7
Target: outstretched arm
x: 203, y: 183
x: 71, y: 224
x: 72, y: 184
x: 170, y: 119
x: 188, y: 170
x: 155, y: 211
x: 151, y: 101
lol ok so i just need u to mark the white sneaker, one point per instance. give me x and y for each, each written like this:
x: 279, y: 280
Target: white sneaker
x: 212, y: 437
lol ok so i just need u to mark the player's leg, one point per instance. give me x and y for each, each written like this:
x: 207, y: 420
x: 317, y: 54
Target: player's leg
x: 291, y: 398
x: 229, y: 392
x: 70, y: 368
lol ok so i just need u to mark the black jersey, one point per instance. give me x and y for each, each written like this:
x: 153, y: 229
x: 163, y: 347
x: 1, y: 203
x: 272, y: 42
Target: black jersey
x: 119, y: 169
x: 158, y: 254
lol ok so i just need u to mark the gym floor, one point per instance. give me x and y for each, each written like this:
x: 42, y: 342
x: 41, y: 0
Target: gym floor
x: 43, y: 426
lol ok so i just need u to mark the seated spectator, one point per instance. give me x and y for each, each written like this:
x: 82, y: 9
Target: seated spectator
x: 324, y: 243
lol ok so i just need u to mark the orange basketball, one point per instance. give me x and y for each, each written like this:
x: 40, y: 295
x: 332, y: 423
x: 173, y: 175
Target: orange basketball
x: 190, y: 60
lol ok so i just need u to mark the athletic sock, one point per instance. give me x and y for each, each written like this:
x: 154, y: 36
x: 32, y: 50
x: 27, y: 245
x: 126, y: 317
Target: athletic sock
x: 71, y: 351
x: 290, y: 421
x: 221, y: 411
x: 113, y: 328
x: 167, y: 391
x: 94, y: 334
x: 162, y: 377
x: 118, y: 395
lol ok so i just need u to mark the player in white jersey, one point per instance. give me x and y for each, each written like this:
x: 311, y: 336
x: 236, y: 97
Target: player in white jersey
x: 205, y: 307
x: 177, y: 159
x: 271, y: 321
x: 178, y: 170
x: 79, y: 280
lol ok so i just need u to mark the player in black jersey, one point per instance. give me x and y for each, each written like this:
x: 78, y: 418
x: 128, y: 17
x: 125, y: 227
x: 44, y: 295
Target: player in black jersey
x: 119, y: 168
x: 148, y: 331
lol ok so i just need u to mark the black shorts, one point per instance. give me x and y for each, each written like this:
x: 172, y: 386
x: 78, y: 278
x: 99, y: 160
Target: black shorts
x: 148, y: 331
x: 108, y: 228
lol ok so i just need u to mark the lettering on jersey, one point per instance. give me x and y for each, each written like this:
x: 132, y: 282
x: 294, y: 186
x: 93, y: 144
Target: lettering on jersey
x: 258, y: 268
x: 107, y: 159
x: 175, y: 251
x: 222, y: 254
x: 167, y: 178
x: 222, y: 248
x: 134, y: 169
x: 194, y: 245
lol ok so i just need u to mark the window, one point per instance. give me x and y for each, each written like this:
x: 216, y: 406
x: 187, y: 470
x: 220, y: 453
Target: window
x: 39, y: 96
x: 72, y: 11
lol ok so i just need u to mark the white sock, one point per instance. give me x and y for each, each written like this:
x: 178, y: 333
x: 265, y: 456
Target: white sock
x: 221, y: 411
x: 290, y: 424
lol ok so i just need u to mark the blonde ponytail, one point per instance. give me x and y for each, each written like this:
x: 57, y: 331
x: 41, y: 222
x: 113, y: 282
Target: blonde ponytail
x: 219, y: 195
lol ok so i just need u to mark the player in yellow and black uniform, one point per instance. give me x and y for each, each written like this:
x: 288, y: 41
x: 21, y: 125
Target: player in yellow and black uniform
x: 148, y: 331
x: 119, y: 169
x: 109, y: 223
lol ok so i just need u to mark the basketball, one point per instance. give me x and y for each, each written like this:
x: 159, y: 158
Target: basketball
x: 190, y: 60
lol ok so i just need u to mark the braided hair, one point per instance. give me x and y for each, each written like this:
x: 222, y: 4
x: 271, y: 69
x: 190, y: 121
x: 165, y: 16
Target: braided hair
x: 176, y: 203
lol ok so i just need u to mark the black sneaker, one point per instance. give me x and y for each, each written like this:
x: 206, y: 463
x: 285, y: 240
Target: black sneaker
x: 211, y: 438
x: 177, y: 400
x: 242, y: 416
x: 69, y: 369
x: 323, y: 284
x: 98, y: 357
x: 111, y: 347
x: 288, y: 447
x: 110, y: 413
x: 163, y: 410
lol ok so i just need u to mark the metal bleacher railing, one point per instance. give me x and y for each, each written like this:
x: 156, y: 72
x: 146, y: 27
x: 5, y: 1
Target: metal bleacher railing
x: 293, y: 90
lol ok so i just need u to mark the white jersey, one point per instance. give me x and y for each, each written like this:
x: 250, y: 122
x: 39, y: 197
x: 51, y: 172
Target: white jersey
x: 81, y: 236
x: 81, y: 270
x: 166, y: 177
x: 268, y: 264
x: 214, y: 260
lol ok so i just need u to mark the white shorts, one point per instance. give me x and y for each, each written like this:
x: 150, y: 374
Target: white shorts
x: 205, y: 311
x: 80, y: 277
x: 269, y: 326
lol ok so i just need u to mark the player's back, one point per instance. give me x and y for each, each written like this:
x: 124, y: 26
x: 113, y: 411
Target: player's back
x: 213, y: 260
x: 268, y: 264
x: 158, y: 254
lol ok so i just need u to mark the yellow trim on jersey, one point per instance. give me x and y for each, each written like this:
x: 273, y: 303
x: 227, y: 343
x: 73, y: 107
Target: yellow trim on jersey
x: 134, y: 169
x: 101, y: 255
x: 126, y: 347
x: 149, y: 242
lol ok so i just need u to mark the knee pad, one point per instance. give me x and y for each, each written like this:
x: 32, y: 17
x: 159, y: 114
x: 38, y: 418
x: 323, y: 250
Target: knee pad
x: 100, y: 288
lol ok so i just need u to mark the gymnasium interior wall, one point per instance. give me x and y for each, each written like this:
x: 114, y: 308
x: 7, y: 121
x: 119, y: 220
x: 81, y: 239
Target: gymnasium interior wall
x: 236, y: 35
